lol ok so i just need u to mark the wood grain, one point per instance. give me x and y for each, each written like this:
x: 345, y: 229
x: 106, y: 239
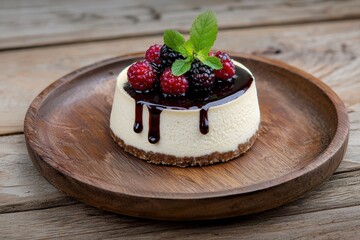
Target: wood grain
x: 353, y: 151
x: 328, y: 50
x: 288, y: 222
x: 66, y: 120
x: 21, y: 187
x: 42, y: 22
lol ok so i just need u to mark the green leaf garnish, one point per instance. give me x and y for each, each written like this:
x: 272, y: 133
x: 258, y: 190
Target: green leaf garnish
x: 180, y: 67
x: 187, y: 50
x: 189, y: 47
x: 203, y: 34
x: 212, y: 62
x: 184, y: 52
x: 173, y: 39
x: 204, y: 31
x: 204, y: 52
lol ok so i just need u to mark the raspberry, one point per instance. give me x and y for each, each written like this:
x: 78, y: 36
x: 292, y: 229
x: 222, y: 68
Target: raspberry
x: 173, y: 85
x: 169, y: 56
x: 141, y: 76
x: 228, y: 69
x: 200, y: 75
x: 152, y: 55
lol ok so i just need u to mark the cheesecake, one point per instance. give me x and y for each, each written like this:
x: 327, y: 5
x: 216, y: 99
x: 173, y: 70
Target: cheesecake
x: 187, y: 132
x: 185, y: 105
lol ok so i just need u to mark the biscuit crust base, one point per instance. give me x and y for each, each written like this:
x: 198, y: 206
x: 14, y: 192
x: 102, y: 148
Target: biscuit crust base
x: 164, y: 159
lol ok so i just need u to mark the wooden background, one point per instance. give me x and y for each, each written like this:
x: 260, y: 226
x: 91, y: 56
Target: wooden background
x: 42, y: 40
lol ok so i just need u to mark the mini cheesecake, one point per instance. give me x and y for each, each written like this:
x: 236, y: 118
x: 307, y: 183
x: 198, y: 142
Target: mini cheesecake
x: 196, y: 129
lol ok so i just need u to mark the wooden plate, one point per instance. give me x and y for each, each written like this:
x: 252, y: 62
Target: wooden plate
x: 302, y: 141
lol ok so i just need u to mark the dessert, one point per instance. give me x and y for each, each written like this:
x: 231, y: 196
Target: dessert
x: 185, y: 105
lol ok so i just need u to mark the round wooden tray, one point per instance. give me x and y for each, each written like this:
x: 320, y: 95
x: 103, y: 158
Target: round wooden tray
x: 303, y: 138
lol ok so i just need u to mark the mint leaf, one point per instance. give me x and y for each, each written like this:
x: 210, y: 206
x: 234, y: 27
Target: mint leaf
x: 189, y: 47
x: 204, y: 52
x: 204, y: 30
x: 187, y: 50
x: 203, y: 34
x: 212, y: 62
x: 183, y: 51
x: 173, y: 39
x: 201, y: 56
x: 180, y: 67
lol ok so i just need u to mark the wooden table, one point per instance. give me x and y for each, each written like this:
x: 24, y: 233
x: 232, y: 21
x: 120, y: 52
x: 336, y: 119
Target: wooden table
x: 41, y: 40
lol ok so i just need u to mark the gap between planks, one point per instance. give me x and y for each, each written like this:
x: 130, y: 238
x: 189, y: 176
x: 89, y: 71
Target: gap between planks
x: 159, y: 33
x: 82, y: 220
x: 43, y: 21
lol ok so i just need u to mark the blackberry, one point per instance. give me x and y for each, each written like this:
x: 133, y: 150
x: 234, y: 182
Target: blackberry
x: 201, y: 76
x: 158, y: 68
x: 168, y: 56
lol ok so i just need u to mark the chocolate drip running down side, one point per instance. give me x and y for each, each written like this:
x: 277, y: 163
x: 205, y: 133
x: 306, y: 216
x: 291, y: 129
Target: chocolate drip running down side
x: 138, y: 124
x: 221, y: 93
x: 204, y: 122
x: 154, y: 123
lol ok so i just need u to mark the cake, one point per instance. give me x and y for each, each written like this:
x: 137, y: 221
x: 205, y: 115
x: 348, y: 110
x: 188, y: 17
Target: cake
x: 203, y: 112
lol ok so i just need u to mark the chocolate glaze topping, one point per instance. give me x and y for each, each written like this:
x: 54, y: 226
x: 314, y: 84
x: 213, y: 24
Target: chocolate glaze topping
x: 221, y: 93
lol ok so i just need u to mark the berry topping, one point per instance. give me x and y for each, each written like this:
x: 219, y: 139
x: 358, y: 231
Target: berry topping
x: 180, y: 65
x: 200, y: 75
x: 228, y: 69
x: 152, y: 55
x: 141, y: 76
x: 169, y: 56
x: 158, y: 68
x: 173, y: 85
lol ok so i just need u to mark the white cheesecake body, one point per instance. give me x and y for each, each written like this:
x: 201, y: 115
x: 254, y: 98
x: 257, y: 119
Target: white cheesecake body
x: 230, y: 124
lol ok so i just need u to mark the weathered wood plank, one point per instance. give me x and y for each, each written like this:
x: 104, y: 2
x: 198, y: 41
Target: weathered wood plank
x: 83, y: 222
x: 353, y: 151
x: 347, y: 166
x: 41, y: 22
x: 328, y: 50
x: 22, y: 188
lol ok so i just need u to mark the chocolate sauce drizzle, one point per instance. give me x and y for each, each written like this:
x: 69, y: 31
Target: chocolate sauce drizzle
x: 203, y: 121
x: 221, y: 93
x: 138, y: 124
x: 154, y: 123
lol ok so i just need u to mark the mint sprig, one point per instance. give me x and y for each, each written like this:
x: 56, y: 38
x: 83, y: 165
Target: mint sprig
x: 204, y: 31
x: 173, y: 39
x: 180, y: 66
x: 212, y: 62
x: 203, y: 34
